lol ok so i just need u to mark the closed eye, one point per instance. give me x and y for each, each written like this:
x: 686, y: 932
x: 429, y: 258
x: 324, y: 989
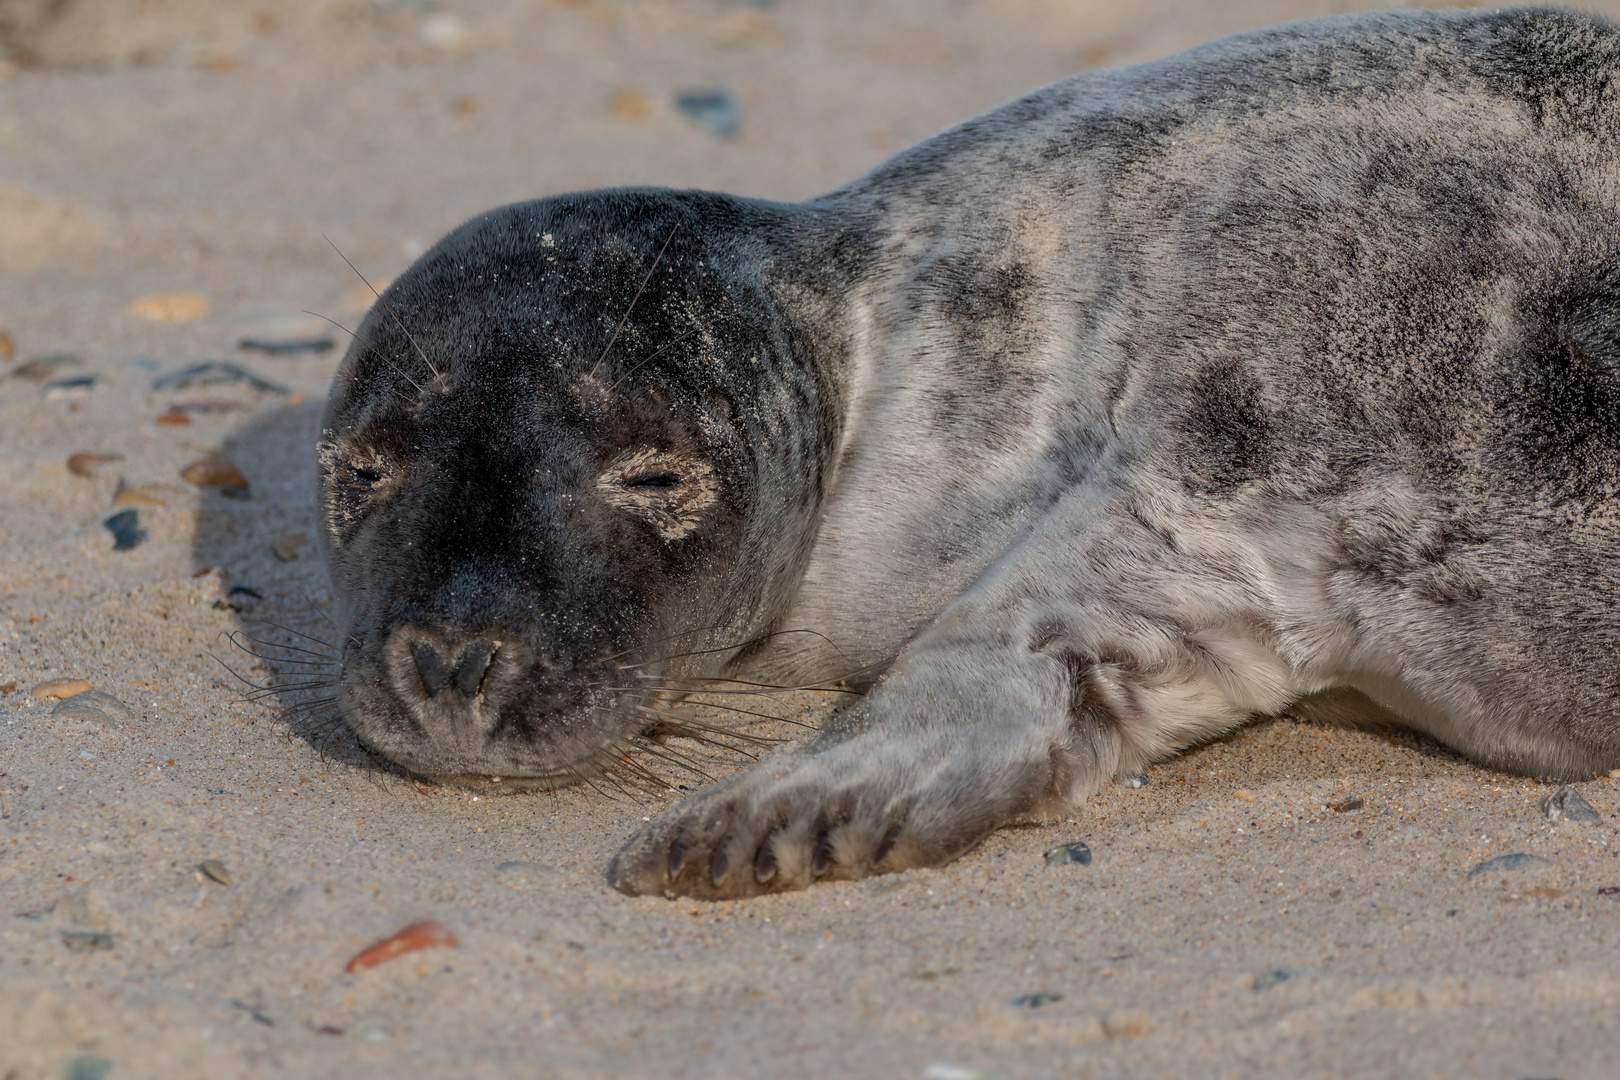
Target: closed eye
x: 658, y: 481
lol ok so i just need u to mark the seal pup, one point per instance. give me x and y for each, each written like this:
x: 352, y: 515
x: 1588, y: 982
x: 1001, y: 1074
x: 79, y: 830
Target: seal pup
x: 1280, y: 374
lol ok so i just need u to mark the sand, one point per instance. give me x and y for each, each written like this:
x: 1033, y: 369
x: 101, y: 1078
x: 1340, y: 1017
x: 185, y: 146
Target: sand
x: 1230, y: 923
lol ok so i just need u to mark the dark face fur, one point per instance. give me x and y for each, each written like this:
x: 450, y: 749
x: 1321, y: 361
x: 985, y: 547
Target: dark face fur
x: 546, y: 483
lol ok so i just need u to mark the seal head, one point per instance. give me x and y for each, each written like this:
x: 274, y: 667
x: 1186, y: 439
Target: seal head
x: 571, y: 458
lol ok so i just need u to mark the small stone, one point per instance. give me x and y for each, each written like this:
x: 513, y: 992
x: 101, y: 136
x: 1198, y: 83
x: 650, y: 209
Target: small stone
x: 99, y: 847
x: 216, y: 373
x: 215, y: 473
x: 153, y: 495
x: 1267, y: 979
x: 171, y: 307
x: 74, y: 386
x: 287, y: 346
x: 944, y: 1071
x: 95, y: 707
x: 715, y: 111
x: 1073, y: 854
x: 518, y: 873
x: 1608, y: 890
x: 427, y: 934
x: 56, y: 689
x: 126, y: 529
x: 1140, y: 780
x: 630, y: 104
x: 1127, y: 1024
x: 1243, y: 794
x: 86, y: 940
x: 1505, y: 863
x: 446, y: 31
x: 41, y: 368
x: 8, y: 687
x: 215, y: 870
x: 175, y: 417
x: 1614, y: 774
x: 8, y: 348
x: 85, y: 463
x: 1567, y: 804
x: 1035, y: 1000
x: 286, y: 548
x: 1347, y: 804
x: 87, y: 1067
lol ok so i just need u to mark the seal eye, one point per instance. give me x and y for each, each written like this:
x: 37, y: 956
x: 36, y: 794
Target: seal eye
x: 662, y: 481
x: 667, y: 489
x: 355, y: 480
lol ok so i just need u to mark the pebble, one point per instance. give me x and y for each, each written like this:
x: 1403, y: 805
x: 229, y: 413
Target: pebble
x: 1243, y: 794
x: 87, y: 1067
x: 216, y: 473
x: 75, y: 386
x: 216, y: 373
x: 171, y: 307
x: 1347, y: 804
x: 93, y: 706
x: 630, y: 104
x: 287, y: 346
x: 286, y: 548
x: 1267, y: 979
x: 1567, y: 804
x: 87, y: 940
x: 85, y: 463
x: 1075, y: 854
x: 715, y: 111
x: 518, y: 872
x: 427, y: 934
x: 944, y: 1071
x: 144, y: 495
x: 40, y: 368
x: 1516, y: 861
x: 8, y: 348
x: 56, y: 689
x: 126, y: 529
x: 215, y: 870
x: 1035, y: 1000
x: 1140, y: 780
x: 175, y: 417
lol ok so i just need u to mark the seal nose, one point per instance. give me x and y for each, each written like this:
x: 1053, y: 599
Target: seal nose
x: 455, y: 685
x: 462, y: 675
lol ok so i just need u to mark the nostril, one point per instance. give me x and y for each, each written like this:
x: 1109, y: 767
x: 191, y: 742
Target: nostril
x: 474, y: 663
x: 431, y: 666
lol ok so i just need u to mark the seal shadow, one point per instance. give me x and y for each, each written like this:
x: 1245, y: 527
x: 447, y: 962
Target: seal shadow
x: 264, y: 546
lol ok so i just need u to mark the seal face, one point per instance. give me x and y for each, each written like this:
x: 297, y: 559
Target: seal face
x: 1281, y: 375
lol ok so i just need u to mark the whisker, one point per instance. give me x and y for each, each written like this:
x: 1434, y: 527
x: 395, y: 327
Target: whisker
x: 608, y: 348
x: 373, y: 350
x: 388, y: 308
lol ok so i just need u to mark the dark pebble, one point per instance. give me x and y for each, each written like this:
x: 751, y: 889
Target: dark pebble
x: 1347, y: 804
x: 245, y: 590
x: 87, y: 940
x: 71, y: 387
x: 87, y: 1067
x: 1567, y: 804
x: 1267, y: 979
x: 126, y: 529
x: 286, y: 346
x: 40, y: 368
x: 1516, y: 861
x: 1075, y: 854
x: 1035, y: 1000
x: 215, y: 871
x: 94, y: 706
x: 215, y: 373
x: 1609, y: 890
x: 715, y: 111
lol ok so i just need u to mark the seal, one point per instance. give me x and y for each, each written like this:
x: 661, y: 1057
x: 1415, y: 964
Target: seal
x: 1281, y: 375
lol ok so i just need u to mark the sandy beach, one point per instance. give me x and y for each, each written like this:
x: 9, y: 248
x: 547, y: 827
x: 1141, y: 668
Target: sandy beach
x: 176, y: 176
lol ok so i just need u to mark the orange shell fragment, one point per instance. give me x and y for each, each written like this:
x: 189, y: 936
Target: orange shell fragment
x: 427, y: 934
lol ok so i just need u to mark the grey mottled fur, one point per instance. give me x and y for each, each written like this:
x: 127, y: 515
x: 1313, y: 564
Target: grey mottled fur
x: 1281, y: 373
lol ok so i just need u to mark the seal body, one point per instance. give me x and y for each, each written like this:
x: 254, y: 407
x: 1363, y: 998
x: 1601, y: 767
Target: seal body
x: 1283, y: 374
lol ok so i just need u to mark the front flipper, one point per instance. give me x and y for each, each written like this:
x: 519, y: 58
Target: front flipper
x: 915, y: 775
